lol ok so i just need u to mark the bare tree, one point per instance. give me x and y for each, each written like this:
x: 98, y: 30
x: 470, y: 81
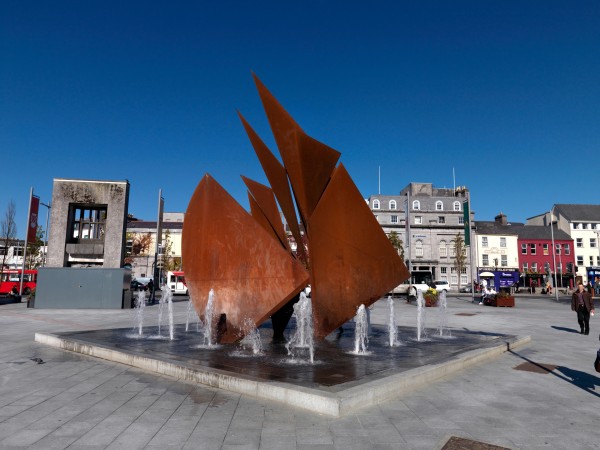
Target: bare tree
x: 8, y: 231
x: 460, y: 255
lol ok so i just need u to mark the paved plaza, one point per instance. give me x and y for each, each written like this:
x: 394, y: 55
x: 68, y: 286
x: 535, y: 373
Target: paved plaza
x: 543, y: 395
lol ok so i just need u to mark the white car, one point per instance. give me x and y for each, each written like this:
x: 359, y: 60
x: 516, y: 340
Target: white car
x: 410, y: 289
x: 441, y: 285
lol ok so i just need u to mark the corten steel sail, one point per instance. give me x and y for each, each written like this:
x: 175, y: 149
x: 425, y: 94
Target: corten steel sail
x: 277, y: 176
x: 225, y: 249
x: 353, y: 262
x: 263, y: 208
x: 244, y: 259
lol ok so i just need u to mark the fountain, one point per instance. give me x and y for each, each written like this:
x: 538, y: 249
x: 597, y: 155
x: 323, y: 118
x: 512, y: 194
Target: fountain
x: 392, y: 328
x: 140, y: 305
x: 188, y: 315
x: 421, y: 316
x: 443, y: 315
x: 303, y: 337
x: 252, y: 337
x: 361, y: 338
x: 167, y: 299
x: 208, y: 320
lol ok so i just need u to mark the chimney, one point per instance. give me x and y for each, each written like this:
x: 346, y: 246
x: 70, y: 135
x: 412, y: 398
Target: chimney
x: 501, y: 219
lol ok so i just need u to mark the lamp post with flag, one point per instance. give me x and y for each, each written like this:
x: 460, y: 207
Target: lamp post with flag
x: 30, y: 235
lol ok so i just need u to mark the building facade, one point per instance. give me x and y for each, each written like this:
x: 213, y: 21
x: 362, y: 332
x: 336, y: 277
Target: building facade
x: 582, y: 224
x: 428, y: 220
x: 497, y: 254
x: 141, y: 245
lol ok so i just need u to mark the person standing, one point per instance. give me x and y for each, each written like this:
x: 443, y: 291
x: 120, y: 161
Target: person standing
x: 582, y: 302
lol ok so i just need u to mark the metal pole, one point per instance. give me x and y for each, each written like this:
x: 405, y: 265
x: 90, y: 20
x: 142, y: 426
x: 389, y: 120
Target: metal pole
x: 25, y: 247
x: 553, y: 250
x: 49, y: 206
x: 472, y: 240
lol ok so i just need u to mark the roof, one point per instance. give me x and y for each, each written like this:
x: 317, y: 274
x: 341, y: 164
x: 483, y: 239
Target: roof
x: 493, y: 227
x: 579, y: 213
x: 542, y: 232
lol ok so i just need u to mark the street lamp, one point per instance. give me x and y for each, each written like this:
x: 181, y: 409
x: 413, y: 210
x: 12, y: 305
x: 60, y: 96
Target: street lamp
x: 553, y: 250
x: 48, y: 206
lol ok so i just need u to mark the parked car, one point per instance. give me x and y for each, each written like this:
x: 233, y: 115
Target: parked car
x: 409, y: 289
x: 140, y: 284
x: 466, y: 288
x: 441, y: 285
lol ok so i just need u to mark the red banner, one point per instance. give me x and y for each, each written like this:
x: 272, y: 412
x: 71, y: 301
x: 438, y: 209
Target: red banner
x: 33, y: 218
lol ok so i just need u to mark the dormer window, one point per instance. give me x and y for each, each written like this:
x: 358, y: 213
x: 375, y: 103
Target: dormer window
x: 376, y: 204
x: 416, y: 205
x: 392, y: 204
x: 439, y: 206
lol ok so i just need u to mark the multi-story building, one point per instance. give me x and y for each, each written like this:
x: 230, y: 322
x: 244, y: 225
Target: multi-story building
x: 428, y: 220
x: 497, y: 252
x: 582, y: 223
x: 538, y: 262
x: 141, y: 244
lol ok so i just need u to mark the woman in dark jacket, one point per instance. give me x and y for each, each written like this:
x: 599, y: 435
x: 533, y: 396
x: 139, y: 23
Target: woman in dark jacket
x: 583, y: 303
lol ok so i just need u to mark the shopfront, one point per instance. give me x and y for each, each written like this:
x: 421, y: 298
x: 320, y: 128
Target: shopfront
x: 498, y: 278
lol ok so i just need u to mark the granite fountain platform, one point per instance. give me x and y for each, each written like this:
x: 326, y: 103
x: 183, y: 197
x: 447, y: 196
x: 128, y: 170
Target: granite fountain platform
x: 337, y: 383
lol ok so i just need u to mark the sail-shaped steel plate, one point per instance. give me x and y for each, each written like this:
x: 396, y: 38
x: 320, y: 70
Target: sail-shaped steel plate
x: 225, y: 249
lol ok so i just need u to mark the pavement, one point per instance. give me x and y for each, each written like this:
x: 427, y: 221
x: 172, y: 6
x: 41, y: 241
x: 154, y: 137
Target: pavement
x: 544, y: 395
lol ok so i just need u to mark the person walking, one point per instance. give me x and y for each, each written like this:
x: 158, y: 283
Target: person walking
x: 583, y: 303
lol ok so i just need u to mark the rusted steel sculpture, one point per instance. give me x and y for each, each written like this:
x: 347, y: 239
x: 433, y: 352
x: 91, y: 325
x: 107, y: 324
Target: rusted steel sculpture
x: 247, y: 260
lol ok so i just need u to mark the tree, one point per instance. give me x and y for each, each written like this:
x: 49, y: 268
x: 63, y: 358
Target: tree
x: 8, y: 231
x: 35, y: 253
x: 140, y: 243
x: 460, y: 255
x: 397, y: 243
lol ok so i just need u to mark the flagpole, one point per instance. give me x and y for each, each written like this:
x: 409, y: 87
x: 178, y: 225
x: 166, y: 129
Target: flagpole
x: 26, y: 236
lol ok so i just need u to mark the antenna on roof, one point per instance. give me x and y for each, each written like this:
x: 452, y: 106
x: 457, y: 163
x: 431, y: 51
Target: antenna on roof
x: 379, y: 181
x: 453, y: 181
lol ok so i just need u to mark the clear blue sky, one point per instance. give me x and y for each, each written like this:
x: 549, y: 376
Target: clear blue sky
x: 505, y: 92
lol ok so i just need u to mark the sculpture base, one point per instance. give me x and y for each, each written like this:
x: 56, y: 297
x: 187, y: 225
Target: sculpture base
x: 338, y: 382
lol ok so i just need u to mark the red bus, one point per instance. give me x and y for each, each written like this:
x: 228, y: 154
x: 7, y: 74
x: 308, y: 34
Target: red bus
x: 11, y: 281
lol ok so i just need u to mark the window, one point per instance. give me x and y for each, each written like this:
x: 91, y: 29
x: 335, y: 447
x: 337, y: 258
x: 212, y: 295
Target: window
x: 444, y: 278
x: 523, y: 249
x: 444, y: 270
x: 503, y: 242
x: 567, y: 249
x: 452, y: 269
x: 394, y: 218
x: 579, y: 242
x: 545, y: 248
x: 593, y: 242
x: 87, y: 222
x: 452, y: 249
x: 485, y: 260
x: 559, y: 268
x: 580, y: 260
x: 461, y: 220
x: 3, y: 251
x: 532, y: 249
x: 392, y: 204
x: 463, y: 279
x: 418, y: 220
x: 456, y: 206
x: 591, y: 260
x: 18, y: 251
x: 441, y: 219
x: 484, y: 241
x: 453, y: 279
x: 558, y: 249
x: 463, y: 270
x: 416, y: 205
x: 503, y: 261
x: 419, y: 248
x: 439, y: 206
x: 534, y: 267
x: 525, y: 267
x: 443, y: 249
x: 376, y: 204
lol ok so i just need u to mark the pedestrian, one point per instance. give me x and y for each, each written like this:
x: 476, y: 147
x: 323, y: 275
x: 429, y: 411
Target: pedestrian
x: 583, y: 303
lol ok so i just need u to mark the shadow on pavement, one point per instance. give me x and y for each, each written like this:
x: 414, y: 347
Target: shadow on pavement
x: 568, y: 330
x: 577, y: 378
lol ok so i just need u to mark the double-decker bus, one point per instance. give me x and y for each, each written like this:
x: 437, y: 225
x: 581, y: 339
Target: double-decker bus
x: 176, y: 282
x: 10, y: 281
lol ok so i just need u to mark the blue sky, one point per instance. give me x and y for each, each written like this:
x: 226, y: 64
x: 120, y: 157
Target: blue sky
x: 505, y: 92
